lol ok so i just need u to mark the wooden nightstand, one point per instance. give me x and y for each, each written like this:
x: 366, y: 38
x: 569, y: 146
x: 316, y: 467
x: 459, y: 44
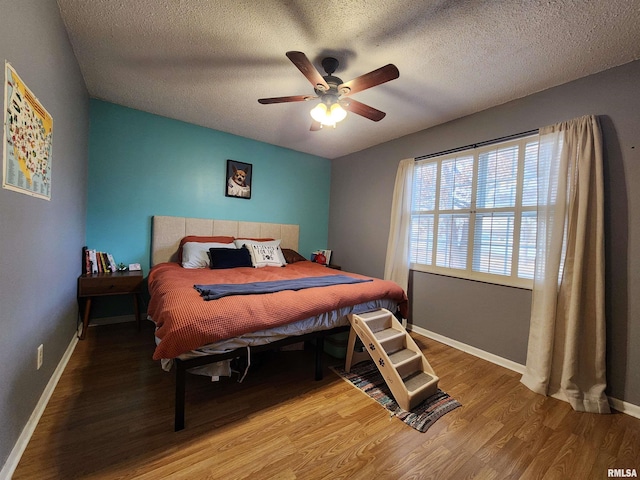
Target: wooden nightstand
x: 102, y: 284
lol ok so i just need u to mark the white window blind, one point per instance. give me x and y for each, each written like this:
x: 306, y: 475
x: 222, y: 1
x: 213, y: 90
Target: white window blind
x: 474, y: 213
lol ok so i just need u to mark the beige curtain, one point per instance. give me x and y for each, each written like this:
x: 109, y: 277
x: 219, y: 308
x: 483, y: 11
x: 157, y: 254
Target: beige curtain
x: 567, y: 339
x: 397, y: 263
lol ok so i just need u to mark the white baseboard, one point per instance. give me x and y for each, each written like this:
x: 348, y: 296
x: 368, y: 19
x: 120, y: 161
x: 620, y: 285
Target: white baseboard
x: 23, y: 440
x: 624, y: 407
x: 503, y: 362
x: 619, y: 405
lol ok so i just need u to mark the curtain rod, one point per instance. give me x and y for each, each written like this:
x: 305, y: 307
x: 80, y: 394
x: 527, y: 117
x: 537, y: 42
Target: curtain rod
x: 479, y: 144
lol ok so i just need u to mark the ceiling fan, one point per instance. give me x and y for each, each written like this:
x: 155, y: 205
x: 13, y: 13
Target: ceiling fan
x: 334, y: 94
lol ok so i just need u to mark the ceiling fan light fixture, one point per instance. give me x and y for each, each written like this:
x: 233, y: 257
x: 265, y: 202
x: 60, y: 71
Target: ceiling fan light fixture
x: 329, y: 89
x: 319, y: 112
x: 338, y: 113
x: 328, y: 115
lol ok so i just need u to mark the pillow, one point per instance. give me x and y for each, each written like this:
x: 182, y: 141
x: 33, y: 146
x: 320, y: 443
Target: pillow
x: 202, y: 239
x: 240, y: 241
x: 229, y: 257
x: 194, y: 254
x: 254, y: 239
x: 291, y: 256
x: 263, y: 255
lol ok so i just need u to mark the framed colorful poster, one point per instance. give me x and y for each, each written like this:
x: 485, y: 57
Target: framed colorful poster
x: 27, y: 136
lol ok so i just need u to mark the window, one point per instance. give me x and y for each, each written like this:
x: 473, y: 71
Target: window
x: 474, y: 213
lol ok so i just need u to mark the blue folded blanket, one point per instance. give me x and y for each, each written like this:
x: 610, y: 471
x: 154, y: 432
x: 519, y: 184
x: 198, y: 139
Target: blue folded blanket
x: 215, y: 291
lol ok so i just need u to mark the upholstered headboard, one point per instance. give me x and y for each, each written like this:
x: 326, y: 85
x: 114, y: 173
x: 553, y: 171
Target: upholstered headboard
x: 166, y: 233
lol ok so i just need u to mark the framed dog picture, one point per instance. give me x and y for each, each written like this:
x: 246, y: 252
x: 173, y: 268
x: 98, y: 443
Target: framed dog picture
x: 238, y: 179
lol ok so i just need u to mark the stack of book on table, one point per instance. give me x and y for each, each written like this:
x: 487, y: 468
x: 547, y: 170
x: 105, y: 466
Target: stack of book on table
x: 97, y: 262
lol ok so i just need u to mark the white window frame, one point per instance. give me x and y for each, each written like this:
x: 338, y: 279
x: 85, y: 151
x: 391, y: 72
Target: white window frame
x: 511, y: 280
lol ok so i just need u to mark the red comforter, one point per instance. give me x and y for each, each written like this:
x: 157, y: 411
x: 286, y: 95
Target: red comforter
x: 185, y: 321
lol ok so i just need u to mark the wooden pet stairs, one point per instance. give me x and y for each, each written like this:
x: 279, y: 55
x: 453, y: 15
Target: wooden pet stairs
x: 401, y: 363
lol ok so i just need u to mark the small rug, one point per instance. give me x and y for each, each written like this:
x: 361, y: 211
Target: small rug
x: 367, y: 377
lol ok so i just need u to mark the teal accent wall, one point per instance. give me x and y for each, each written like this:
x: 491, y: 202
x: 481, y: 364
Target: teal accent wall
x: 142, y: 165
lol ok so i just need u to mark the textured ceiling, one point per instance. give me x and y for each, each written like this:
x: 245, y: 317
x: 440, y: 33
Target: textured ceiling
x: 207, y: 62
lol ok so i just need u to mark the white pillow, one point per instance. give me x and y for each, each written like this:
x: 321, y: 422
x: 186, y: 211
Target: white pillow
x: 194, y: 254
x: 264, y: 255
x: 268, y: 243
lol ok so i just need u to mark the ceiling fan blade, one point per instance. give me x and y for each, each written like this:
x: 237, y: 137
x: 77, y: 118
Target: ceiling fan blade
x: 294, y: 98
x: 368, y: 80
x: 301, y: 61
x: 363, y: 110
x: 315, y: 126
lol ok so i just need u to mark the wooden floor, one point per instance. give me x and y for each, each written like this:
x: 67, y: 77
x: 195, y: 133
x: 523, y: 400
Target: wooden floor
x: 111, y: 417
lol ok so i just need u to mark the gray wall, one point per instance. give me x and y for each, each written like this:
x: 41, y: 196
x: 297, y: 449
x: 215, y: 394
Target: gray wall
x: 490, y: 317
x: 362, y: 187
x: 40, y: 241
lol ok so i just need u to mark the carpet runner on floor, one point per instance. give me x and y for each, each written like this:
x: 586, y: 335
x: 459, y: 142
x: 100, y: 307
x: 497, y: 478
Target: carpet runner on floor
x: 367, y: 377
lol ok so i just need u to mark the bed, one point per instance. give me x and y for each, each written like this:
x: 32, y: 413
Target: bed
x: 224, y: 318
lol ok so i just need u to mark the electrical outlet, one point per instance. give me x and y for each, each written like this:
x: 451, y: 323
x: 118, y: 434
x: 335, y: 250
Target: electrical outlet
x: 40, y: 356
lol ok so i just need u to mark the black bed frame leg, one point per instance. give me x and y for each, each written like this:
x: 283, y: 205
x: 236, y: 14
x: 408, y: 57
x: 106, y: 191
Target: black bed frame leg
x: 319, y: 350
x: 180, y: 396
